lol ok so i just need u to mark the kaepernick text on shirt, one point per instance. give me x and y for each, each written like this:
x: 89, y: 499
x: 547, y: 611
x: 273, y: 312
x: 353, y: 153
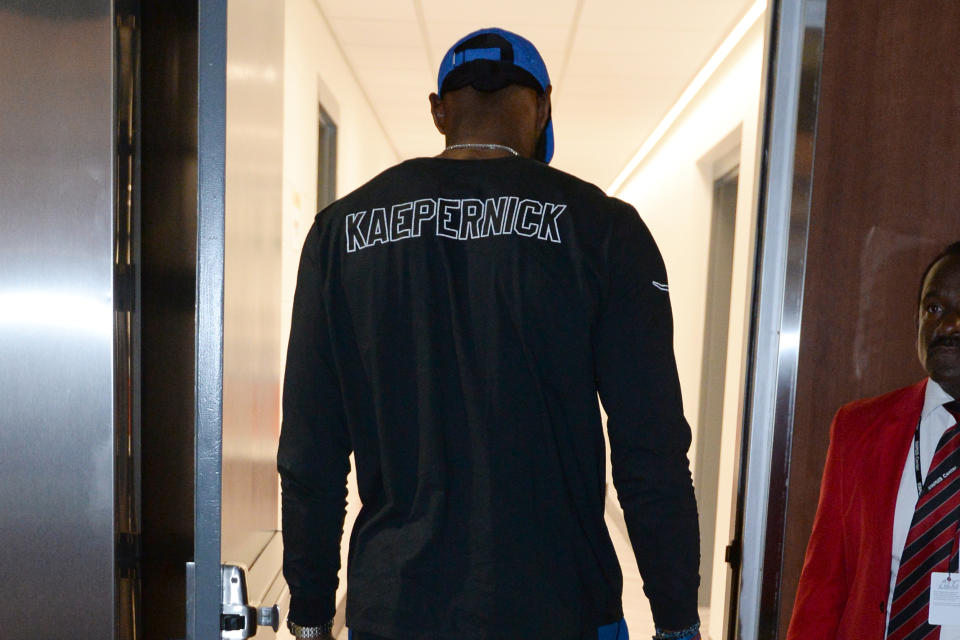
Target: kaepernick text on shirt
x: 457, y: 219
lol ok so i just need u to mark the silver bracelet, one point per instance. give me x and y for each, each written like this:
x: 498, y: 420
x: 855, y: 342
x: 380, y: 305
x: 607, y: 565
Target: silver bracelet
x: 298, y: 631
x: 690, y: 633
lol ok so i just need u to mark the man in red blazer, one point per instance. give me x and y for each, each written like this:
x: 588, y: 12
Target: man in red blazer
x: 870, y: 490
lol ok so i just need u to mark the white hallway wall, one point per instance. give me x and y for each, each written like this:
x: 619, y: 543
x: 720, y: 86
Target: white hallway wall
x: 673, y: 192
x: 315, y: 72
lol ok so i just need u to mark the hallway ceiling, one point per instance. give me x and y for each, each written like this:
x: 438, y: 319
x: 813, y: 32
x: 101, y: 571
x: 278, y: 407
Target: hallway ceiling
x: 617, y: 66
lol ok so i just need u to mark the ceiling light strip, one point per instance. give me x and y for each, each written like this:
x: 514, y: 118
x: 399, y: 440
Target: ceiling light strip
x: 699, y: 81
x: 558, y: 81
x: 424, y: 34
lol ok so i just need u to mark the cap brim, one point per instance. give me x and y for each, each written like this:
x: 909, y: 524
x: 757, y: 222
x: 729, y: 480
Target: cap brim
x: 548, y: 142
x: 488, y: 75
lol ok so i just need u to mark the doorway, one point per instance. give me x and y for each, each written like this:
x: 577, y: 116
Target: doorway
x: 714, y: 365
x: 369, y: 145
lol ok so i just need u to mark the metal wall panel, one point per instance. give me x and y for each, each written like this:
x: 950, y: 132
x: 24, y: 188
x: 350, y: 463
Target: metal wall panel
x: 252, y: 272
x: 792, y: 84
x: 56, y: 319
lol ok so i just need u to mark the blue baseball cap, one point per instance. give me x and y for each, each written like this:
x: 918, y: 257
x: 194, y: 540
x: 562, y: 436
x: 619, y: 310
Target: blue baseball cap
x: 490, y: 59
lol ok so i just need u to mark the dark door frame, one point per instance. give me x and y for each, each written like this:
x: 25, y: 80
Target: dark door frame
x: 794, y: 56
x: 203, y: 574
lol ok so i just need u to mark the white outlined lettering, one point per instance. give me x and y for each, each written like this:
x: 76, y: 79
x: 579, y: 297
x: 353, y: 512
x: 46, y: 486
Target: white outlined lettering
x: 471, y: 218
x: 401, y: 221
x: 548, y: 224
x: 510, y: 219
x: 355, y: 238
x: 379, y: 232
x: 494, y: 211
x: 457, y: 219
x: 528, y: 210
x: 448, y: 218
x: 423, y: 210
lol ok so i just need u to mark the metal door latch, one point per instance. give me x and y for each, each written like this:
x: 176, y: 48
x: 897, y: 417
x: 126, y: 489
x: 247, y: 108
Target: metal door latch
x: 238, y: 619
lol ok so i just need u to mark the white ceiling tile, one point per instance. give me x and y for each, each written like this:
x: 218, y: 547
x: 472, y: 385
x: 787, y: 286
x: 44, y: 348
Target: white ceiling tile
x: 393, y: 77
x: 612, y: 65
x: 642, y: 95
x: 629, y: 62
x: 382, y: 9
x: 544, y: 36
x: 410, y: 64
x: 649, y: 42
x: 378, y: 31
x: 500, y: 13
x: 373, y: 56
x: 657, y: 14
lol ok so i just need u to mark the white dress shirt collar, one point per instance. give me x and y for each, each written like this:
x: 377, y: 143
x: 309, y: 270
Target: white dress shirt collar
x: 934, y: 398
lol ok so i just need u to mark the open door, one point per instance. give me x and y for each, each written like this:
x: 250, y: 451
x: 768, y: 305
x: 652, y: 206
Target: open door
x: 203, y: 573
x: 237, y: 526
x: 234, y: 580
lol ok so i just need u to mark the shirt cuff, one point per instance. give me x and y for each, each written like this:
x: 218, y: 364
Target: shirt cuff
x: 311, y: 612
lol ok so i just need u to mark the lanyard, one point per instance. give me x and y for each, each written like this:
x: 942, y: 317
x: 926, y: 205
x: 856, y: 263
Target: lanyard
x: 921, y: 489
x: 916, y: 460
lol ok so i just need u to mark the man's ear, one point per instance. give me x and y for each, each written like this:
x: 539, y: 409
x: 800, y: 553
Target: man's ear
x: 543, y: 108
x: 439, y: 112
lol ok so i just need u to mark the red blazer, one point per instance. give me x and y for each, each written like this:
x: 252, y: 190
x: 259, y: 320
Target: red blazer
x: 845, y: 581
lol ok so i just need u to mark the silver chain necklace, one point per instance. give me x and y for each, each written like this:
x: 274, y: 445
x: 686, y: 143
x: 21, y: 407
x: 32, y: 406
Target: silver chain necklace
x: 489, y: 146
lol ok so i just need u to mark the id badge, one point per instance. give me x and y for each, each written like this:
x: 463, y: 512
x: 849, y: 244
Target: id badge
x: 945, y: 603
x: 948, y: 632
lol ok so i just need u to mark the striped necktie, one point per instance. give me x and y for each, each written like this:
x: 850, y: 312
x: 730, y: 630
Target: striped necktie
x: 932, y: 540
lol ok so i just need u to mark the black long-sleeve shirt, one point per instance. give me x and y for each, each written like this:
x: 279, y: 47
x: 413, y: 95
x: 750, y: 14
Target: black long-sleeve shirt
x: 453, y: 323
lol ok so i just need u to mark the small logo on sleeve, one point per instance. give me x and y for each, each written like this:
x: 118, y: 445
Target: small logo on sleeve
x: 660, y: 285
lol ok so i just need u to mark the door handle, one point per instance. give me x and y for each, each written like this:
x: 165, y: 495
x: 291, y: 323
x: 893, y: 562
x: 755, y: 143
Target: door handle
x: 237, y: 618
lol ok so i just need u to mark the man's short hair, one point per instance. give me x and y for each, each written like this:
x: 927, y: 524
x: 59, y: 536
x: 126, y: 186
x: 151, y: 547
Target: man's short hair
x: 952, y: 249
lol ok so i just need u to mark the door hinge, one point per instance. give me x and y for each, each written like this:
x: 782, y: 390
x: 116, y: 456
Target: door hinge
x: 128, y: 555
x: 732, y: 554
x: 124, y: 287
